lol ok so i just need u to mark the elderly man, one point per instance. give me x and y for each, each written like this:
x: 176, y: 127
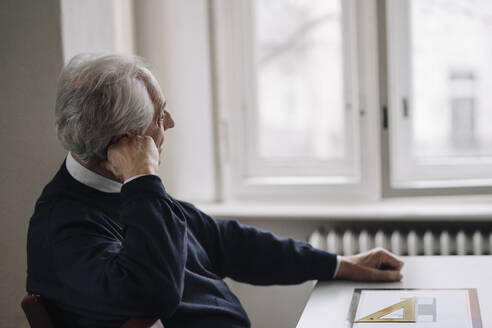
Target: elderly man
x: 106, y: 241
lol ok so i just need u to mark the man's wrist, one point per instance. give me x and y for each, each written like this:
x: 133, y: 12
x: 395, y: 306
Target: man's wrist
x: 337, y: 268
x: 136, y: 177
x: 139, y: 172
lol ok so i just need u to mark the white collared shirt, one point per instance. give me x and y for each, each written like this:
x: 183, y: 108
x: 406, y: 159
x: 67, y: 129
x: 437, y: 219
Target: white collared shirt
x: 92, y: 179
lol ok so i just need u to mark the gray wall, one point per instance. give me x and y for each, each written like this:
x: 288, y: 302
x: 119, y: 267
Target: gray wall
x: 37, y: 38
x: 30, y: 60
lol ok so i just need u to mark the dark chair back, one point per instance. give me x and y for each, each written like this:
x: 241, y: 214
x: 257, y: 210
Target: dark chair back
x: 35, y: 312
x: 38, y: 317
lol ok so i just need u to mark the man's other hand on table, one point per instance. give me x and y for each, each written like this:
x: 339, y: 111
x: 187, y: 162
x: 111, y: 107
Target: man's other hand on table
x: 375, y: 265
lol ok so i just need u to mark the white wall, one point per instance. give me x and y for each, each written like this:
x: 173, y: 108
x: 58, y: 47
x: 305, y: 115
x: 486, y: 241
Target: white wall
x: 97, y: 26
x: 87, y: 26
x: 30, y: 60
x: 173, y: 37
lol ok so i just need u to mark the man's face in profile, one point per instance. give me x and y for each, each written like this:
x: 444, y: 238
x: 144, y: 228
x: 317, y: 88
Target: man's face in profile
x: 162, y: 119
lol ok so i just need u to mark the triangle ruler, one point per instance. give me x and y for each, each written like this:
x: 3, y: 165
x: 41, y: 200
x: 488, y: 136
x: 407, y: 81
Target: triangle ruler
x: 407, y: 305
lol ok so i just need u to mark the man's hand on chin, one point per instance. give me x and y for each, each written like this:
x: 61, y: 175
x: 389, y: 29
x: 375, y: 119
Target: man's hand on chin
x: 132, y: 155
x: 375, y: 265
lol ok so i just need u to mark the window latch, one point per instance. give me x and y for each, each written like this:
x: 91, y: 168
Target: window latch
x: 404, y: 104
x: 385, y: 117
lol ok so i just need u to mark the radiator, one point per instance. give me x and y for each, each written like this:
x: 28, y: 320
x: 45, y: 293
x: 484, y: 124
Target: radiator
x: 410, y: 242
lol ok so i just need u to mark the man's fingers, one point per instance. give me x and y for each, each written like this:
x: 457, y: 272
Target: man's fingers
x: 388, y: 260
x: 375, y: 265
x: 357, y: 272
x: 384, y: 275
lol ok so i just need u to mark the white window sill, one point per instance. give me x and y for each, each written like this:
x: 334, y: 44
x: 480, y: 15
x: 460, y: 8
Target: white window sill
x: 476, y: 208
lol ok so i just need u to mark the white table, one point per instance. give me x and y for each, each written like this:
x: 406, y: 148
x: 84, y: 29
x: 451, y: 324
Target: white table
x: 329, y: 302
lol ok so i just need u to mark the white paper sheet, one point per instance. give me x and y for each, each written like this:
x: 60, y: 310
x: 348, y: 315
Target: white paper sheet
x: 434, y: 309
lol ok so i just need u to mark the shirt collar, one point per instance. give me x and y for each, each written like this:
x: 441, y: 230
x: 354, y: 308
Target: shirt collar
x: 89, y: 178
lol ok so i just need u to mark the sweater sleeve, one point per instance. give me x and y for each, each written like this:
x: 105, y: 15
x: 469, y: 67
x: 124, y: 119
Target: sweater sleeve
x: 139, y: 276
x: 247, y: 254
x: 258, y: 257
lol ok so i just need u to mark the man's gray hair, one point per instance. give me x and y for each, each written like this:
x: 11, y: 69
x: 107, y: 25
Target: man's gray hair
x: 99, y: 97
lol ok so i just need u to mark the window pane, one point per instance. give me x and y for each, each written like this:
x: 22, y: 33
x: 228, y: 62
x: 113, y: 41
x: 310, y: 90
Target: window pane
x: 299, y: 72
x: 451, y: 78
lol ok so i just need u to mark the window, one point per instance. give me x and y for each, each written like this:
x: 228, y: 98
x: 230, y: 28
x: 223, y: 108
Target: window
x: 320, y: 98
x: 300, y: 117
x: 287, y: 71
x: 441, y: 77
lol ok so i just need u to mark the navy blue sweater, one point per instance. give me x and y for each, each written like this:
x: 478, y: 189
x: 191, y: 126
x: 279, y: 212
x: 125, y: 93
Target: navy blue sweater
x: 100, y: 258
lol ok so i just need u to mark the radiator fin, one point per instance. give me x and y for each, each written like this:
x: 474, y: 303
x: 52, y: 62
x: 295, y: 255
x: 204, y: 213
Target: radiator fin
x: 413, y: 243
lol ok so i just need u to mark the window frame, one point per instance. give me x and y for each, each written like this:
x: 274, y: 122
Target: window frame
x: 232, y: 84
x: 331, y: 171
x: 396, y: 72
x: 377, y: 105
